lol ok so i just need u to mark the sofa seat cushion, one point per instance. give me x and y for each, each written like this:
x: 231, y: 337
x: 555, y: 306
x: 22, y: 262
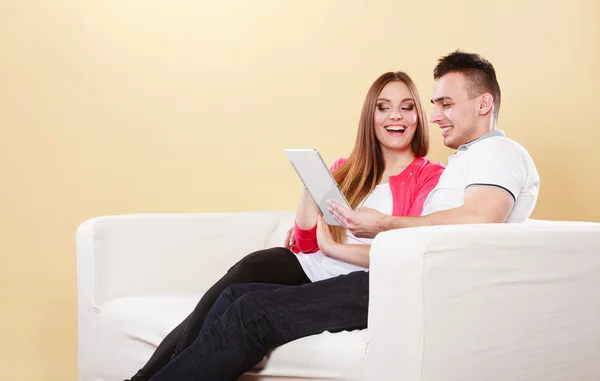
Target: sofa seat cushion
x: 130, y: 329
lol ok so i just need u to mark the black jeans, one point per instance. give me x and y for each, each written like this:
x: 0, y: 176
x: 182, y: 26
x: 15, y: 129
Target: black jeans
x: 250, y: 319
x: 273, y: 266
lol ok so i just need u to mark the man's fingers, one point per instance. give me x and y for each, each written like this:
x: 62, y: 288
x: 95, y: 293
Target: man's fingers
x: 339, y: 218
x: 340, y: 210
x: 334, y: 205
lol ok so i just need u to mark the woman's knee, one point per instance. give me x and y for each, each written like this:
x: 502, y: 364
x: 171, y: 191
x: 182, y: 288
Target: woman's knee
x: 253, y: 266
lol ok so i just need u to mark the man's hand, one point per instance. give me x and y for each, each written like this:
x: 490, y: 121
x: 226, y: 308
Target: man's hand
x: 324, y: 237
x: 289, y: 240
x: 363, y: 223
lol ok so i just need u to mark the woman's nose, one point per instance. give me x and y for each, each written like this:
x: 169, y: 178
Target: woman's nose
x: 395, y: 114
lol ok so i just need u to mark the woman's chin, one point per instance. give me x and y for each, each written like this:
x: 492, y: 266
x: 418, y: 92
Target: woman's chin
x: 397, y: 146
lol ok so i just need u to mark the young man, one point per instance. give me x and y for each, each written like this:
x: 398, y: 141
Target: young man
x: 490, y: 179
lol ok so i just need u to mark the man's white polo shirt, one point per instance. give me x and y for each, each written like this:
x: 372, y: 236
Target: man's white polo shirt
x: 491, y: 160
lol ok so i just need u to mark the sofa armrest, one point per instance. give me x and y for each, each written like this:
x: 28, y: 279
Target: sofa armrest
x: 494, y: 302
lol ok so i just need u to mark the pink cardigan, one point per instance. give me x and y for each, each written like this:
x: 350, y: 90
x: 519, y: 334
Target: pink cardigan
x: 409, y: 191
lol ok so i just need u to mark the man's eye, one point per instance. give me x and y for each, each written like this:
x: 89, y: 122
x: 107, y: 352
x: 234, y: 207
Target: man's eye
x: 446, y: 105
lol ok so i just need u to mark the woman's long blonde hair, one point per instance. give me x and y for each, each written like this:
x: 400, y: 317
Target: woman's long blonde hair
x: 359, y: 175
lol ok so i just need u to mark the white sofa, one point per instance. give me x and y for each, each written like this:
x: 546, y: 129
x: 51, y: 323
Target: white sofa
x: 494, y: 302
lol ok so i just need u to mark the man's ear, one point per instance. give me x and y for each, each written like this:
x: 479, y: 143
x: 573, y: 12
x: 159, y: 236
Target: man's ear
x: 486, y: 104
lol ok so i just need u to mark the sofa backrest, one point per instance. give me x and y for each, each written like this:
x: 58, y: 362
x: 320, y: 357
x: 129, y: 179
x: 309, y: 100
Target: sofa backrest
x: 170, y: 253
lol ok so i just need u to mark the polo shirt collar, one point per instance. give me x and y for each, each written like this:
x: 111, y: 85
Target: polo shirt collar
x: 491, y: 134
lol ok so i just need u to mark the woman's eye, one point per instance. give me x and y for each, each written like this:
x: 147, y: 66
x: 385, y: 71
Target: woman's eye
x: 408, y: 108
x: 446, y: 105
x: 382, y: 108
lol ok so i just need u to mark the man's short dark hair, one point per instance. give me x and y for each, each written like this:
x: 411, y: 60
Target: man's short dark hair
x: 479, y: 73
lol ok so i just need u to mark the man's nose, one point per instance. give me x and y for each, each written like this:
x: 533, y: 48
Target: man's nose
x: 436, y: 115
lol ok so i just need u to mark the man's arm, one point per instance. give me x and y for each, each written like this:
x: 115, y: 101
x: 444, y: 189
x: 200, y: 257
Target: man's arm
x: 483, y: 204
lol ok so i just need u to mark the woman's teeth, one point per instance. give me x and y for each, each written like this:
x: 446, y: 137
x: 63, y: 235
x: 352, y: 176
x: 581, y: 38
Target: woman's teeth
x: 395, y: 128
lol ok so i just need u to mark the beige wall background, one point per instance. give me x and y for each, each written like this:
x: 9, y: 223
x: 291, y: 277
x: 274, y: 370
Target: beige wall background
x: 113, y: 107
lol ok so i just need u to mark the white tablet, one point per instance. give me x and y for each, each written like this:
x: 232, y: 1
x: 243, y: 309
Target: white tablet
x: 317, y: 179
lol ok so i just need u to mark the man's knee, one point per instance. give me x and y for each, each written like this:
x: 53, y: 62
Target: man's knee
x: 230, y: 296
x: 232, y: 293
x: 255, y: 312
x: 254, y: 305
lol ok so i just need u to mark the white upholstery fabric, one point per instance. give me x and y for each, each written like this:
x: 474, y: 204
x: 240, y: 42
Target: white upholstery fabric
x: 485, y: 302
x: 130, y: 328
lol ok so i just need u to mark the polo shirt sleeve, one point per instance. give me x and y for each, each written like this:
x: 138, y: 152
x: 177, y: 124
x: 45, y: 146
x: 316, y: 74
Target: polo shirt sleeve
x: 497, y: 162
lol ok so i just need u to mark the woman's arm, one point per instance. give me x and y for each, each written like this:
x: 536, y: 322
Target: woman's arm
x: 351, y: 253
x: 305, y: 229
x: 306, y: 212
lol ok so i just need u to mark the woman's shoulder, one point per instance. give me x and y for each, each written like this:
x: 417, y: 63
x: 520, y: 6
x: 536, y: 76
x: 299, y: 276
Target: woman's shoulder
x: 429, y: 168
x: 424, y: 162
x: 338, y: 163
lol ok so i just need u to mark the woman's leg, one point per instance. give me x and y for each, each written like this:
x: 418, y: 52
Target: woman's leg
x: 163, y: 354
x: 274, y: 266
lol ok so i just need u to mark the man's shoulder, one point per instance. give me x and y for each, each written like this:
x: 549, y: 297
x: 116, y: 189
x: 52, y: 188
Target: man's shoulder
x: 503, y: 153
x: 500, y: 145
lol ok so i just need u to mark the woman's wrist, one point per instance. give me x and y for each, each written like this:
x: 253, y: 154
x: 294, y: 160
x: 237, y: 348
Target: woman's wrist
x: 331, y: 249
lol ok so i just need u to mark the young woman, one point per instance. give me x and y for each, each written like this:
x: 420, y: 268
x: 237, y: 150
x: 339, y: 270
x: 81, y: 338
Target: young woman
x: 387, y: 171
